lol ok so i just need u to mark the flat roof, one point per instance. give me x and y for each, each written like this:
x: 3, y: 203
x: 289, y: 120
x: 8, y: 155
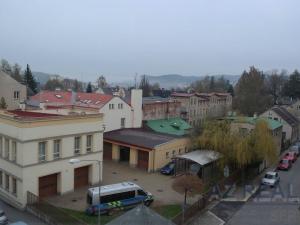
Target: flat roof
x: 272, y: 124
x: 202, y: 157
x: 138, y: 137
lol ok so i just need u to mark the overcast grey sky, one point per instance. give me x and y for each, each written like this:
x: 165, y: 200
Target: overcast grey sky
x: 85, y: 38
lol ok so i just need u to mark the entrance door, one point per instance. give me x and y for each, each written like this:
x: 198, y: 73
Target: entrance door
x: 143, y: 159
x: 124, y: 154
x: 48, y: 185
x: 81, y: 177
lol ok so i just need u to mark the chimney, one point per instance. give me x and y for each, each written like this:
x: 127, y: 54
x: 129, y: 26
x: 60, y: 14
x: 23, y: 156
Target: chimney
x: 136, y: 104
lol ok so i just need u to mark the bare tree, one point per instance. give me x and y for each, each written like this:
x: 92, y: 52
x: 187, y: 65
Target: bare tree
x: 189, y: 185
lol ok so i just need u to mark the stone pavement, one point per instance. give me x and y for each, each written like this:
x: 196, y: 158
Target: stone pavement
x: 159, y: 185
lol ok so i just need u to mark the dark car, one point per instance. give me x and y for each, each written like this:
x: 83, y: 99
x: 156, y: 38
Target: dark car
x: 168, y: 169
x: 284, y: 164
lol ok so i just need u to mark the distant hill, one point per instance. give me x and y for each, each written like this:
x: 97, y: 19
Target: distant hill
x: 176, y: 80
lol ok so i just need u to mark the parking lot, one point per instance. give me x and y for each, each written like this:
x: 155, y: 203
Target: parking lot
x: 113, y: 172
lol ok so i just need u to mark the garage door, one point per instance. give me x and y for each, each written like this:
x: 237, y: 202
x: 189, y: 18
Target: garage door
x: 107, y: 151
x: 143, y: 159
x: 81, y: 177
x: 48, y: 185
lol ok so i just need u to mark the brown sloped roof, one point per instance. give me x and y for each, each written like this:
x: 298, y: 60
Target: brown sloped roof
x: 138, y: 138
x: 286, y: 116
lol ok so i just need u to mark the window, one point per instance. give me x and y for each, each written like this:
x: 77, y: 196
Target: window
x: 14, y: 151
x: 42, y: 151
x: 16, y: 95
x: 111, y: 106
x: 185, y: 149
x: 56, y: 149
x: 14, y: 186
x: 6, y: 181
x: 173, y: 153
x: 117, y: 197
x: 179, y: 152
x: 77, y: 145
x: 122, y: 122
x: 167, y: 155
x: 89, y: 143
x: 120, y: 106
x: 6, y: 145
x: 141, y: 192
x: 1, y: 178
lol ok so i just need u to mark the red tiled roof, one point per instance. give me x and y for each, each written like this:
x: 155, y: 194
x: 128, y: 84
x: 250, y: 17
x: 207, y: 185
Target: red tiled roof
x: 94, y: 100
x: 26, y: 114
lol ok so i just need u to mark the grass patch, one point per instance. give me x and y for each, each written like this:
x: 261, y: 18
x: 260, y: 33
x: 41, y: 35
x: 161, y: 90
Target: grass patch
x: 168, y: 211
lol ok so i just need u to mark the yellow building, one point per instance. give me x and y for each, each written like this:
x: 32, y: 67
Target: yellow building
x: 143, y: 149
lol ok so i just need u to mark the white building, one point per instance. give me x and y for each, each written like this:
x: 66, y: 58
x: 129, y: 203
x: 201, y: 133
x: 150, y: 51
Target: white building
x: 12, y: 91
x: 117, y: 113
x: 35, y: 149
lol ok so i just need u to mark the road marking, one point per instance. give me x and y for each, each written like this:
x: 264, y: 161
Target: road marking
x: 212, y: 214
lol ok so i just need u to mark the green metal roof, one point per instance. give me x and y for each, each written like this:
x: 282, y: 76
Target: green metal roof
x: 174, y: 126
x: 273, y: 124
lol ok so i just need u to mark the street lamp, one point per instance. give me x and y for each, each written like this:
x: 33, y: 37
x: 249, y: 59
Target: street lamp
x: 76, y: 161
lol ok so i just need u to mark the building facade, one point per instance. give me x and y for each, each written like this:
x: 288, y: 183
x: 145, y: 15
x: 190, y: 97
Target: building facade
x: 35, y: 149
x: 12, y: 91
x: 155, y: 108
x: 290, y: 130
x: 196, y: 107
x: 143, y: 149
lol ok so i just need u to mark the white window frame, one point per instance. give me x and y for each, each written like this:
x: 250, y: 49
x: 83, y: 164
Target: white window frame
x: 14, y: 151
x: 89, y: 143
x: 6, y: 178
x: 123, y: 122
x: 16, y: 95
x: 56, y: 148
x: 6, y: 148
x: 14, y: 186
x: 77, y: 149
x: 42, y: 157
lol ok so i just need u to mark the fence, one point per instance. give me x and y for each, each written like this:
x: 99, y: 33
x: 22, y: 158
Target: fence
x: 49, y: 213
x: 217, y: 190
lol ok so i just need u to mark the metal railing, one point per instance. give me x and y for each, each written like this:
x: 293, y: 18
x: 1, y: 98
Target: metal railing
x: 49, y: 213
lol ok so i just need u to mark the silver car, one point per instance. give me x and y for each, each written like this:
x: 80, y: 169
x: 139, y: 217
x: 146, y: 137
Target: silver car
x: 270, y: 179
x: 3, y: 218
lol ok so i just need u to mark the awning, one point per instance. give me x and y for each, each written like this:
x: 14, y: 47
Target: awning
x: 202, y: 157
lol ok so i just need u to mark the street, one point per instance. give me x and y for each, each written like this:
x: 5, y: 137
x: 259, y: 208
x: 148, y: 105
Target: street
x: 281, y: 211
x: 15, y: 215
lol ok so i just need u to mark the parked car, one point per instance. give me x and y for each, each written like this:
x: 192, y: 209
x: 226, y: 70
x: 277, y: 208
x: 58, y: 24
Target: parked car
x: 168, y: 169
x: 270, y: 179
x: 284, y: 164
x: 3, y: 218
x: 290, y: 156
x: 295, y: 148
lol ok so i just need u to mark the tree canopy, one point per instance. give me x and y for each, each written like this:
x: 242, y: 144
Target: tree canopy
x: 145, y: 86
x: 237, y: 148
x: 251, y: 94
x: 89, y: 88
x: 3, y: 104
x: 29, y: 80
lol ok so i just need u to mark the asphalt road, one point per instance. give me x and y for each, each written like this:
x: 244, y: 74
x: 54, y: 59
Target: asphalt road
x: 277, y: 206
x: 15, y: 215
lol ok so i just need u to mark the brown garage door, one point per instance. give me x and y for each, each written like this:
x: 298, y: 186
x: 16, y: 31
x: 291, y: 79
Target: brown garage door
x: 143, y: 159
x: 81, y: 177
x: 107, y: 151
x: 48, y: 185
